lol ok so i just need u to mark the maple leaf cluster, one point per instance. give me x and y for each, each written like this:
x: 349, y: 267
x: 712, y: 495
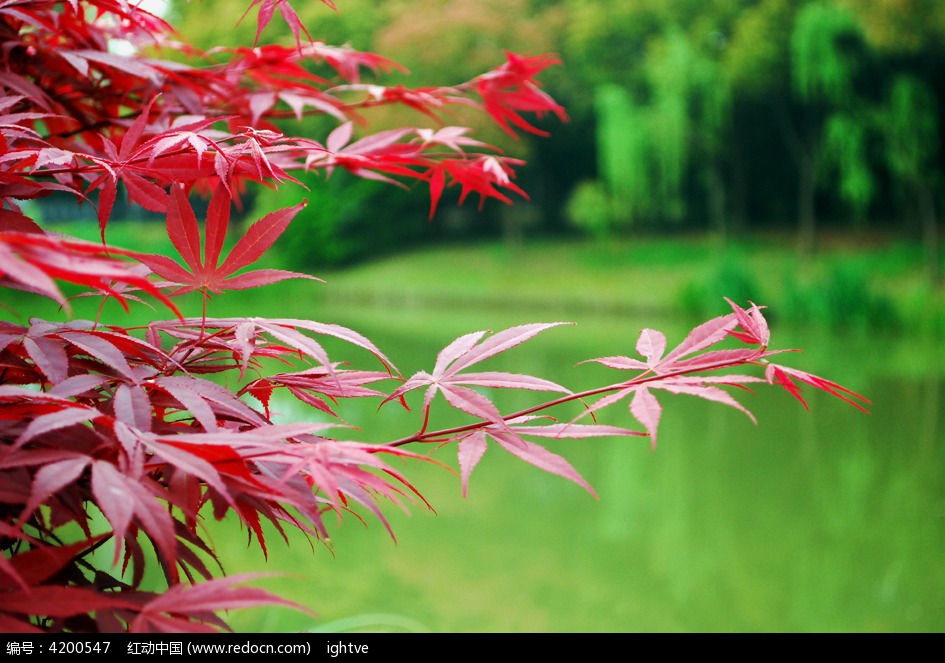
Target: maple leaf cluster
x: 124, y: 439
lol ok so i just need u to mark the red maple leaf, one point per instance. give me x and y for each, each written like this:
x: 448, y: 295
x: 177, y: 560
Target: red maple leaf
x: 208, y: 274
x: 449, y: 379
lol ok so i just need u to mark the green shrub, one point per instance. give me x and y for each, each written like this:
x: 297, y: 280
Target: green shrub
x: 589, y: 208
x: 729, y: 278
x: 347, y: 219
x: 842, y: 298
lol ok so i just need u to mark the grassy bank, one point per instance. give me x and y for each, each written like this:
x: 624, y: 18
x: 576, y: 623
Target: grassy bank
x: 861, y: 283
x: 865, y: 286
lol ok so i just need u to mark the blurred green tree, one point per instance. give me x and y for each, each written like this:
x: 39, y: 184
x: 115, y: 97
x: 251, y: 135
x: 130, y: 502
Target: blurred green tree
x: 826, y: 46
x: 705, y: 113
x: 911, y: 132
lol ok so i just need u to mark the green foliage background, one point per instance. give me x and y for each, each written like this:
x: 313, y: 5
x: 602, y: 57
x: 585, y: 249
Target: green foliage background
x: 725, y: 117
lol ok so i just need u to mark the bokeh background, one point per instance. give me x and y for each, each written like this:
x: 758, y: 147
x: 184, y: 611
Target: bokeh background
x: 787, y: 152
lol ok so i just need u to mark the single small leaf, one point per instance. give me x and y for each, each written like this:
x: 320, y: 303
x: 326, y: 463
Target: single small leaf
x: 49, y: 479
x: 33, y: 566
x: 132, y: 137
x: 753, y: 323
x: 259, y: 238
x: 133, y: 407
x: 122, y: 498
x: 784, y: 376
x: 261, y: 277
x: 472, y: 402
x: 454, y: 350
x: 540, y: 457
x: 102, y: 349
x: 50, y: 356
x: 574, y: 431
x: 707, y: 334
x: 113, y: 497
x: 651, y: 345
x: 500, y: 342
x: 502, y: 380
x: 778, y: 376
x: 695, y: 387
x: 218, y: 221
x: 182, y: 229
x: 215, y: 595
x: 620, y: 363
x: 62, y: 601
x: 647, y: 411
x: 57, y: 420
x: 470, y: 450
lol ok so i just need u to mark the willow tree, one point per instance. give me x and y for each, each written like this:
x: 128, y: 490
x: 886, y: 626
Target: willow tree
x: 824, y: 64
x: 624, y: 153
x: 846, y: 163
x: 671, y: 127
x: 911, y: 133
x: 909, y: 35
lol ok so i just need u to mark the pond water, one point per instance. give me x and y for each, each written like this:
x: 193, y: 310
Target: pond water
x: 820, y: 520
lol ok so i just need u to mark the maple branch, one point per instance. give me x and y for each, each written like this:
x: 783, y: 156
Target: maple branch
x: 646, y: 377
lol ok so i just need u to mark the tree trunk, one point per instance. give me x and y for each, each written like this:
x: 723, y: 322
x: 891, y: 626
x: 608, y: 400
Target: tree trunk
x: 738, y: 198
x: 803, y: 146
x: 715, y: 194
x: 930, y: 235
x: 807, y: 218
